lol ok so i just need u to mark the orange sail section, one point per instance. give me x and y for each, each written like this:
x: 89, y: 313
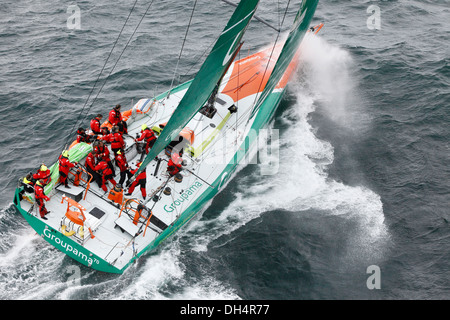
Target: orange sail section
x: 250, y: 75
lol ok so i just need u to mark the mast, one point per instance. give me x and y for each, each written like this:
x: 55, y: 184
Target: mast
x: 206, y: 79
x: 298, y: 31
x: 209, y: 110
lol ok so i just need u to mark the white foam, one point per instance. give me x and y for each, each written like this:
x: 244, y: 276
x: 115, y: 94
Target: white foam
x: 165, y: 269
x: 29, y: 267
x: 22, y: 243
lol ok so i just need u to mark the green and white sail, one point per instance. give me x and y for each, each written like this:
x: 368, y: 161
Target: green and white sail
x: 295, y: 37
x: 207, y: 78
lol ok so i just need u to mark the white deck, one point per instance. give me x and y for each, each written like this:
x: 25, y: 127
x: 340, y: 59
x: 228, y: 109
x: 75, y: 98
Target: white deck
x: 115, y: 244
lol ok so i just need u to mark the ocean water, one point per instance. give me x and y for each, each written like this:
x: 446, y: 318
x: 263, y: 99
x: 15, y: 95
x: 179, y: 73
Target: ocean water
x: 363, y: 175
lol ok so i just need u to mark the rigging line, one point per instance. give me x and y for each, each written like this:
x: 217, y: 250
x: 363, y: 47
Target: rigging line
x: 278, y: 15
x: 201, y: 56
x: 176, y: 210
x: 237, y: 94
x: 190, y: 178
x: 215, y: 50
x: 254, y: 16
x: 204, y: 52
x: 160, y: 189
x: 104, y: 66
x: 199, y: 177
x: 182, y: 47
x: 231, y: 77
x: 240, y: 86
x: 239, y: 121
x: 210, y: 173
x: 126, y: 45
x: 186, y: 169
x: 270, y: 58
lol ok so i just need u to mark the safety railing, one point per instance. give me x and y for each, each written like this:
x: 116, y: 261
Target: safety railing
x: 78, y: 175
x: 128, y: 208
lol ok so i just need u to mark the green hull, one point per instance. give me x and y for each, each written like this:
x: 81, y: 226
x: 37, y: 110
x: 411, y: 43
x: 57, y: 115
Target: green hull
x: 63, y: 243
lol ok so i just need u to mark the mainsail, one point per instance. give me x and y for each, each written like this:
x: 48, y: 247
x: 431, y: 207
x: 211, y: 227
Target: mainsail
x: 298, y: 30
x: 206, y: 79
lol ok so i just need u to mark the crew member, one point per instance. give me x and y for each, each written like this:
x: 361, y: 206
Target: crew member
x: 40, y: 196
x: 82, y: 136
x: 104, y: 131
x: 148, y: 136
x: 116, y: 140
x: 123, y: 127
x: 114, y: 115
x: 44, y: 174
x: 64, y: 168
x: 174, y: 164
x: 90, y: 167
x: 28, y: 185
x: 106, y: 173
x: 141, y: 179
x: 121, y: 162
x: 102, y: 153
x: 96, y: 123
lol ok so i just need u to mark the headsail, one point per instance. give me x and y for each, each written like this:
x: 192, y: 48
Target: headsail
x: 209, y: 74
x: 298, y: 30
